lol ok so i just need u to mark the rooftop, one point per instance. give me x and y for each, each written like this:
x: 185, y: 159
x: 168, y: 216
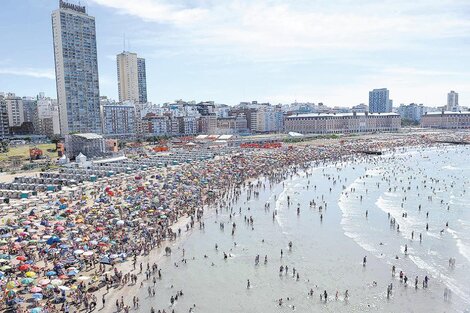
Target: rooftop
x: 341, y: 114
x: 447, y: 113
x: 89, y: 136
x: 71, y: 6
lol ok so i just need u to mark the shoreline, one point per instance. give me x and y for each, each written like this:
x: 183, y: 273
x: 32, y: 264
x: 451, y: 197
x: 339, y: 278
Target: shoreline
x: 264, y: 166
x: 157, y: 254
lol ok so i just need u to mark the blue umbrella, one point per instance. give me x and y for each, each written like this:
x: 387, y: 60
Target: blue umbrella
x: 36, y: 310
x: 51, y: 273
x: 72, y: 273
x: 53, y: 240
x: 37, y: 296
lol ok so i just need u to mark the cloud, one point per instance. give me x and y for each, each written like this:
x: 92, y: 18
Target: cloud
x: 156, y: 11
x: 30, y: 72
x: 263, y: 27
x: 322, y: 50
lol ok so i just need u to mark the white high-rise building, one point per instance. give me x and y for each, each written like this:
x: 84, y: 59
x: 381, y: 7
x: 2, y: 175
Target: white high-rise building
x: 48, y: 116
x: 15, y: 110
x: 453, y: 101
x: 76, y: 68
x: 132, y: 79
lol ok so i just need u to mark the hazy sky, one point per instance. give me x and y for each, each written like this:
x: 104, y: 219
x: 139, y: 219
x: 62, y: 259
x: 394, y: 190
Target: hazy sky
x: 331, y: 51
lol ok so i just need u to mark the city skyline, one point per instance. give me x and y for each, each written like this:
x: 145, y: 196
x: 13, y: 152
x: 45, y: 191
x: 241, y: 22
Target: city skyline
x: 423, y: 58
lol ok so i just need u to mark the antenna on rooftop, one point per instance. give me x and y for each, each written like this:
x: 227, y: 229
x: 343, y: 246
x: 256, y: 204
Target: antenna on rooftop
x: 123, y: 42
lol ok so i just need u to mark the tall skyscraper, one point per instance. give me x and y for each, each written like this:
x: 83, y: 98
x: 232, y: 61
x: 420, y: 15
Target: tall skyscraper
x: 142, y: 78
x: 132, y: 79
x: 379, y: 101
x: 76, y: 68
x: 452, y: 101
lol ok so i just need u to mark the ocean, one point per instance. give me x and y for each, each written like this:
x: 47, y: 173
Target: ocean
x: 330, y: 237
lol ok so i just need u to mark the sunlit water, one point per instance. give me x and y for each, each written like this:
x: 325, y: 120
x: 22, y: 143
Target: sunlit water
x: 328, y: 253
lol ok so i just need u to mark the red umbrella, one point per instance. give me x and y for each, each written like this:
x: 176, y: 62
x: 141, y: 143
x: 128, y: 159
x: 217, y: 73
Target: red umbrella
x: 24, y: 267
x: 21, y: 258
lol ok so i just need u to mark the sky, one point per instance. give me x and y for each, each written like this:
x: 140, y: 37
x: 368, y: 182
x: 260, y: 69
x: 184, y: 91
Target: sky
x: 277, y: 51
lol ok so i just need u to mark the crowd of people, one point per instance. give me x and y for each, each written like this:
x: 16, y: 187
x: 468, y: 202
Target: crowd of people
x: 64, y: 252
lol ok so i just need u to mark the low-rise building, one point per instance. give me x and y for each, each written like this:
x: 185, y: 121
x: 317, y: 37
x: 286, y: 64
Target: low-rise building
x: 187, y: 125
x: 232, y: 124
x: 119, y: 120
x: 446, y: 119
x: 154, y: 125
x: 412, y: 112
x: 207, y: 124
x: 320, y: 123
x: 47, y: 116
x: 90, y: 144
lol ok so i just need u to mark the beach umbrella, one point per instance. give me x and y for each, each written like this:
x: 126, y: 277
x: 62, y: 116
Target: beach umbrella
x: 72, y: 273
x: 24, y: 267
x: 35, y: 289
x: 2, y: 274
x: 21, y: 258
x: 26, y: 281
x: 11, y: 284
x: 52, y: 240
x: 5, y: 267
x: 11, y: 293
x: 30, y: 274
x: 44, y: 281
x: 37, y: 296
x: 51, y: 273
x: 56, y: 282
x: 4, y: 261
x: 88, y: 253
x: 78, y: 251
x: 64, y: 288
x: 83, y: 278
x: 36, y: 310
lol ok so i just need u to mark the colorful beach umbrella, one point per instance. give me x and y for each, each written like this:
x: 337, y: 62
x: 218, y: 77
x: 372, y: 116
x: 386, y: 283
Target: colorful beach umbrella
x: 44, y: 282
x: 51, y: 273
x: 11, y: 284
x: 27, y: 281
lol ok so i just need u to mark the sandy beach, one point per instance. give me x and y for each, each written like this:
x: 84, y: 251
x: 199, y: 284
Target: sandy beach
x: 68, y: 251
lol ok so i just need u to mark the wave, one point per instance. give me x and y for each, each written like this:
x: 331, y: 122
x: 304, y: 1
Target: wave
x: 434, y: 272
x: 464, y: 250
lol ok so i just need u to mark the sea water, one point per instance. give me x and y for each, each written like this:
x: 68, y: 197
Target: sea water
x: 328, y: 252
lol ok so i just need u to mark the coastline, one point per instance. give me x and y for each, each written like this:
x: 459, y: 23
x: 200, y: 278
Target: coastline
x: 267, y: 165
